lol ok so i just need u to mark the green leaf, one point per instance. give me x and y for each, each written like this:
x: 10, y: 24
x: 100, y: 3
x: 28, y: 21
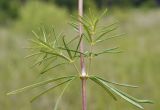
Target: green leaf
x: 58, y: 100
x: 75, y: 38
x: 44, y: 35
x: 88, y: 32
x: 42, y: 44
x: 135, y: 99
x: 124, y: 85
x: 57, y: 54
x: 68, y: 51
x: 35, y: 34
x: 35, y: 85
x: 49, y: 89
x: 110, y: 50
x: 78, y: 45
x: 78, y: 20
x: 43, y: 60
x: 91, y: 15
x: 84, y: 20
x: 98, y: 81
x: 114, y: 36
x: 54, y: 34
x: 109, y: 26
x: 75, y: 26
x: 122, y: 95
x: 33, y: 55
x: 104, y: 12
x: 52, y: 67
x: 105, y: 32
x: 73, y: 51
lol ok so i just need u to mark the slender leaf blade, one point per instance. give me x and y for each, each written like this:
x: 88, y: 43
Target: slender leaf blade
x: 35, y: 85
x: 68, y: 51
x: 115, y: 83
x: 58, y: 100
x: 103, y: 86
x: 49, y: 89
x: 119, y: 93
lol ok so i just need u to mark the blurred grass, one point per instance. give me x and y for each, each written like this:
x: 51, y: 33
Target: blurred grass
x: 138, y: 65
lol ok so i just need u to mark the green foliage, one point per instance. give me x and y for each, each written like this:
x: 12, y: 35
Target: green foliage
x: 58, y: 48
x: 112, y: 90
x: 8, y: 10
x: 36, y: 14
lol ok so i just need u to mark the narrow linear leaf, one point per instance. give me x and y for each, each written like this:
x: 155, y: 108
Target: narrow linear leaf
x: 106, y: 51
x: 49, y: 89
x: 42, y: 44
x: 46, y: 66
x: 68, y: 51
x: 103, y: 86
x: 35, y: 34
x: 72, y: 50
x: 57, y: 38
x: 54, y: 34
x: 75, y: 26
x: 105, y: 32
x: 104, y: 12
x: 108, y: 26
x: 133, y: 98
x: 52, y: 67
x: 85, y: 36
x: 115, y: 36
x: 88, y: 32
x: 57, y: 54
x: 119, y: 93
x: 91, y: 15
x: 75, y: 38
x: 38, y: 85
x: 44, y: 35
x: 84, y: 20
x: 78, y: 45
x: 58, y: 100
x: 43, y: 60
x: 33, y: 55
x: 124, y: 85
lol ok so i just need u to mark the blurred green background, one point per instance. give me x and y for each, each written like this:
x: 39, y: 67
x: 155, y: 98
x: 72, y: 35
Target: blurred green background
x: 138, y: 65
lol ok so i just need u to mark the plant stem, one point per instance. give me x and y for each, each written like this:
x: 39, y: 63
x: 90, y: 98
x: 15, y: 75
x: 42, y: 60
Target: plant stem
x: 82, y: 63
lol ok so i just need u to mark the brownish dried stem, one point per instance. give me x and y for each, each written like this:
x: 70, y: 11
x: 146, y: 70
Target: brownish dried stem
x: 83, y: 69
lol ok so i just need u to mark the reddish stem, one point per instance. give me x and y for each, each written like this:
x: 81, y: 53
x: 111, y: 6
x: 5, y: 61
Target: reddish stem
x: 84, y: 100
x: 83, y: 69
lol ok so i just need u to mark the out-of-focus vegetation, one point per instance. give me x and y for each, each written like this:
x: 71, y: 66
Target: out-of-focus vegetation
x: 139, y: 64
x: 9, y: 9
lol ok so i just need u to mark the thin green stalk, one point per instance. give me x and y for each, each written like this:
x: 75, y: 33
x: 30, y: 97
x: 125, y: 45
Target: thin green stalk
x: 90, y: 59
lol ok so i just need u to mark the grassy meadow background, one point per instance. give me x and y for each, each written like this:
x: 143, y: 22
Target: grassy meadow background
x: 139, y: 64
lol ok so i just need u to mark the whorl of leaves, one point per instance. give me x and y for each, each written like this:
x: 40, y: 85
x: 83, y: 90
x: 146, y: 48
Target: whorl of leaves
x: 54, y: 47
